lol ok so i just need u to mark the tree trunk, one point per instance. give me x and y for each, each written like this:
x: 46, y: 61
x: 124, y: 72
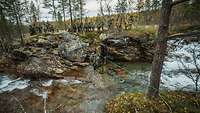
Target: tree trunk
x: 70, y: 12
x: 2, y: 32
x: 101, y: 8
x: 160, y: 52
x: 63, y: 10
x: 54, y: 10
x: 18, y: 22
x: 81, y: 14
x: 196, y: 85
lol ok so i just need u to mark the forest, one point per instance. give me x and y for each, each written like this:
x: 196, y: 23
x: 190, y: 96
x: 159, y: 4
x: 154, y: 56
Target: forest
x: 100, y: 56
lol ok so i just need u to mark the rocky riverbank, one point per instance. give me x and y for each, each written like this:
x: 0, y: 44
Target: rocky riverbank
x: 52, y: 56
x: 131, y: 48
x: 63, y: 54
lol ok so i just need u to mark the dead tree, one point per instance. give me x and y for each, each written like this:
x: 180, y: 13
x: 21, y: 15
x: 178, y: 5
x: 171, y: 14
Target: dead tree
x: 191, y: 73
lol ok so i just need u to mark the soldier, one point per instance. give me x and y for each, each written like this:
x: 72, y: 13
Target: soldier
x: 52, y: 29
x: 103, y: 56
x: 44, y: 28
x: 32, y: 30
x: 93, y: 60
x: 93, y: 27
x: 98, y: 27
x: 48, y: 26
x: 40, y: 29
x: 37, y: 28
x: 74, y: 28
x: 103, y: 53
x: 110, y: 23
x: 97, y: 58
x: 79, y: 27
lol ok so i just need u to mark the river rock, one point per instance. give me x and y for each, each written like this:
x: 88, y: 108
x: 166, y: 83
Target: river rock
x: 55, y: 52
x: 18, y: 55
x: 42, y: 42
x: 103, y: 36
x: 43, y: 67
x: 129, y: 48
x: 84, y: 64
x: 58, y: 71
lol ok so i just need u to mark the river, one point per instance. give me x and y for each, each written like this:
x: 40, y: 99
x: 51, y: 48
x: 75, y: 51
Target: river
x: 89, y: 94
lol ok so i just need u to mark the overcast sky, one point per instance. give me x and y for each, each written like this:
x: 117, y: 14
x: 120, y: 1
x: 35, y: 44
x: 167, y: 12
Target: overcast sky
x: 91, y: 8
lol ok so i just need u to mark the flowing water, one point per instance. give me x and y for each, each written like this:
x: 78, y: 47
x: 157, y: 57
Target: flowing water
x: 70, y: 95
x: 74, y: 96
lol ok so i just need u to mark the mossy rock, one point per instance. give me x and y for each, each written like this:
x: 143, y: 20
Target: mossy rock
x: 176, y: 102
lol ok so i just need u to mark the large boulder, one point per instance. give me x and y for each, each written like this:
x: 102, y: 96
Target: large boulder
x: 64, y: 44
x: 72, y: 48
x: 129, y: 48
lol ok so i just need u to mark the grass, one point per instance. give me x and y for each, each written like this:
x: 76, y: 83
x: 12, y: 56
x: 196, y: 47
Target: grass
x: 139, y: 31
x: 89, y: 37
x: 177, y: 102
x: 151, y: 30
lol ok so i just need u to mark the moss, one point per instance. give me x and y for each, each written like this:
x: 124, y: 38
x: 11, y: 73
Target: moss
x: 184, y: 28
x: 89, y: 37
x: 179, y: 102
x: 142, y: 30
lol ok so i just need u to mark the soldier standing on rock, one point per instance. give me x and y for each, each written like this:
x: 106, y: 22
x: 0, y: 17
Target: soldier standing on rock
x: 94, y: 60
x: 99, y: 57
x: 103, y: 56
x: 103, y: 52
x: 32, y: 30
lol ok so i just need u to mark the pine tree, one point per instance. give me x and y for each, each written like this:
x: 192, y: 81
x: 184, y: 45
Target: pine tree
x: 108, y: 7
x: 4, y: 29
x: 155, y: 4
x: 33, y: 12
x: 51, y: 5
x: 18, y: 8
x: 121, y: 9
x: 70, y: 12
x: 63, y: 8
x: 81, y: 11
x: 147, y: 8
x: 140, y: 5
x: 78, y: 12
x: 147, y: 5
x: 101, y: 11
x: 12, y: 12
x: 59, y: 18
x: 38, y: 4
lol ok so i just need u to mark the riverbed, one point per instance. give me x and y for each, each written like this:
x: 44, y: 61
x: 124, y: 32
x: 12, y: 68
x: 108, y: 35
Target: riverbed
x: 73, y: 96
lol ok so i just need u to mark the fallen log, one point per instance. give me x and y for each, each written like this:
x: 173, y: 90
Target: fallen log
x: 184, y: 35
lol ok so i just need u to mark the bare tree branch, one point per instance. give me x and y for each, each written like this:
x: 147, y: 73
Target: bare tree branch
x: 178, y: 2
x: 188, y: 71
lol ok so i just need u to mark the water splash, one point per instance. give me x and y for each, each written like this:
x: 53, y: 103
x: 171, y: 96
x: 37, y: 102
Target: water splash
x: 8, y: 84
